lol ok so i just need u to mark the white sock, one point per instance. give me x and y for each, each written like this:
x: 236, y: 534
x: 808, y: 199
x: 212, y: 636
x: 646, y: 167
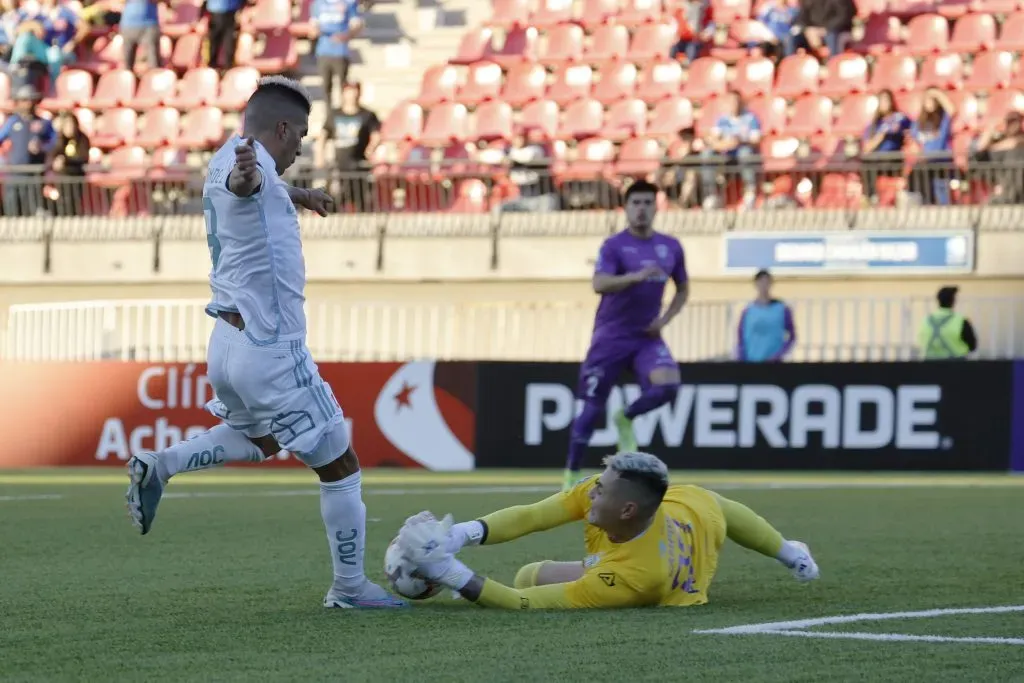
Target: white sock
x: 341, y: 506
x: 213, y: 448
x: 789, y: 554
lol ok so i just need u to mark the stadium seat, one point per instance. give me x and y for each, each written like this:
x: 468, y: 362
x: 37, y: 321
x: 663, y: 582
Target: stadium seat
x: 881, y: 35
x: 973, y: 33
x: 114, y: 89
x: 199, y: 88
x: 72, y: 89
x: 796, y: 76
x: 997, y: 105
x: 660, y: 79
x: 524, y: 83
x: 483, y: 82
x: 189, y: 48
x: 201, y: 128
x: 570, y: 82
x: 279, y: 52
x: 707, y: 79
x: 593, y: 160
x: 157, y: 88
x: 608, y: 43
x: 520, y: 45
x: 742, y: 34
x: 509, y: 13
x: 779, y: 153
x: 710, y: 112
x: 270, y: 15
x: 127, y: 163
x: 471, y: 196
x: 944, y: 72
x: 236, y: 87
x: 638, y: 12
x: 181, y: 18
x: 927, y: 34
x: 617, y: 81
x: 770, y: 111
x: 439, y: 84
x: 404, y: 123
x: 540, y: 115
x: 474, y: 46
x: 967, y: 115
x: 856, y: 114
x: 846, y: 73
x: 564, y: 43
x: 1011, y: 35
x: 894, y: 72
x: 651, y: 42
x: 551, y: 13
x: 582, y: 119
x: 103, y: 55
x: 811, y: 115
x: 596, y: 12
x: 998, y: 6
x: 86, y: 120
x: 625, y: 119
x: 669, y: 117
x: 445, y: 123
x: 729, y: 11
x: 990, y: 71
x: 114, y: 128
x: 5, y: 92
x: 754, y: 76
x: 159, y: 128
x: 493, y: 121
x: 639, y: 157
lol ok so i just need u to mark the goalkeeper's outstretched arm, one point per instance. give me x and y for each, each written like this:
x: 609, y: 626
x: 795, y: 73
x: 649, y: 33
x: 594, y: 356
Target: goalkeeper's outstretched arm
x: 513, y: 522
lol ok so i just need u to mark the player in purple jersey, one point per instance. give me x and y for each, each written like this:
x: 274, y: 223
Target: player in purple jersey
x: 632, y: 269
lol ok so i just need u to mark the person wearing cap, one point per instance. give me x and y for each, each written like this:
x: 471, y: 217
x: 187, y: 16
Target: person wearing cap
x: 355, y: 132
x: 336, y: 22
x: 766, y: 330
x: 31, y: 137
x: 945, y: 334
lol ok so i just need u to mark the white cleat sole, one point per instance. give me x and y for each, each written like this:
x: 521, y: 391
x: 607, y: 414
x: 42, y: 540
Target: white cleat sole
x: 805, y: 569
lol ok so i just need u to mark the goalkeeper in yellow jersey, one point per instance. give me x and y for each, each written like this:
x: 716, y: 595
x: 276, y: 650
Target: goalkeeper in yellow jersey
x: 648, y: 543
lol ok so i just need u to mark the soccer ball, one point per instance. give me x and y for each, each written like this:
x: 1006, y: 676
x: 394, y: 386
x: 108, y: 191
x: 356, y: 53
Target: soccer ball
x: 399, y: 573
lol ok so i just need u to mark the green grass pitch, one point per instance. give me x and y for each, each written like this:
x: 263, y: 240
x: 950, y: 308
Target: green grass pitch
x: 228, y: 586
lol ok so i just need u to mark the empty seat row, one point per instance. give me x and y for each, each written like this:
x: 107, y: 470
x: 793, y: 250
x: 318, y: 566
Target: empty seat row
x: 198, y: 129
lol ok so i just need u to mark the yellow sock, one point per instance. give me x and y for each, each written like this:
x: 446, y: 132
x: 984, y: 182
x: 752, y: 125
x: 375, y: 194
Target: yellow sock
x: 748, y: 529
x: 527, y: 576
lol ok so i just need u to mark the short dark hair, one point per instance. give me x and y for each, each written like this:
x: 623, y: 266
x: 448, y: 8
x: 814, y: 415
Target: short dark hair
x: 641, y: 186
x: 762, y: 273
x: 947, y: 296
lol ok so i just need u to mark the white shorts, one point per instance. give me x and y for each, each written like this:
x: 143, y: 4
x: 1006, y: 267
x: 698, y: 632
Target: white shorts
x: 273, y: 389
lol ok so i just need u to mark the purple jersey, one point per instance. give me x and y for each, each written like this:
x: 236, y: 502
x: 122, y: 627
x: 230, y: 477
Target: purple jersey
x: 627, y: 314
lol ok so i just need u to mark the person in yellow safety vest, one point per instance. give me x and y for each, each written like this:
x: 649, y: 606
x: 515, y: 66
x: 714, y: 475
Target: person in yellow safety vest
x: 946, y: 334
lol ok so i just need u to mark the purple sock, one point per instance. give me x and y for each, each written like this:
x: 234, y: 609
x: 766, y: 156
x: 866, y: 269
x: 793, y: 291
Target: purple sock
x: 582, y: 430
x: 654, y: 397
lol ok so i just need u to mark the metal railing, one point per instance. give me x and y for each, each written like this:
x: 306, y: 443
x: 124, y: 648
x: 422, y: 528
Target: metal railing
x: 863, y: 329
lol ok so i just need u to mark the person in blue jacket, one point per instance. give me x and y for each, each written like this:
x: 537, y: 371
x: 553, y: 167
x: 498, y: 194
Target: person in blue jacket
x: 766, y: 331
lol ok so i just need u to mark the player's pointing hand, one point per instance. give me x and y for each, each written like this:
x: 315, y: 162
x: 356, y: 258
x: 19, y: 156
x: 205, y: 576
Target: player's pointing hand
x: 245, y: 160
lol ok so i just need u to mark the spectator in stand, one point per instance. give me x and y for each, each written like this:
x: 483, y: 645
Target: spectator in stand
x: 355, y: 132
x: 779, y: 17
x: 49, y: 36
x: 766, y: 331
x: 734, y: 137
x: 882, y: 145
x: 693, y: 17
x: 30, y: 139
x: 140, y: 27
x: 680, y: 177
x: 337, y: 22
x: 1001, y: 148
x: 68, y: 160
x: 223, y: 31
x: 826, y: 23
x: 932, y: 134
x: 529, y: 168
x: 9, y: 19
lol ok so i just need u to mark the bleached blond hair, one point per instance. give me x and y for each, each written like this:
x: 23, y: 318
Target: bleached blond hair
x: 645, y: 472
x: 287, y: 83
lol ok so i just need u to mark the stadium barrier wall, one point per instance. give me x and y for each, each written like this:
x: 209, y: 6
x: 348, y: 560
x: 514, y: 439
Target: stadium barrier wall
x: 464, y: 415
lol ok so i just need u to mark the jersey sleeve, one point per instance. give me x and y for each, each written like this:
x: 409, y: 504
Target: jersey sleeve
x: 608, y: 261
x: 520, y: 520
x: 599, y: 588
x: 679, y: 275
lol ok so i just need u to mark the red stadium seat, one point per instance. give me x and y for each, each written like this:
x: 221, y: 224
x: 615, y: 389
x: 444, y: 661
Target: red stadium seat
x: 114, y: 128
x: 881, y: 35
x: 524, y: 83
x: 168, y: 157
x: 998, y: 6
x: 944, y: 72
x: 967, y: 115
x: 797, y: 76
x: 86, y: 120
x: 564, y: 44
x: 779, y: 153
x: 846, y: 73
x: 541, y: 115
x: 990, y: 71
x: 593, y: 160
x: 440, y: 83
x: 446, y: 123
x: 270, y: 15
x: 404, y: 123
x: 272, y: 53
x: 550, y: 13
x: 595, y: 12
x: 625, y: 119
x: 5, y: 92
x: 669, y: 117
x: 201, y: 128
x: 618, y: 81
x: 770, y: 111
x: 894, y: 72
x: 927, y: 34
x: 659, y: 80
x: 493, y: 121
x: 582, y: 119
x: 105, y: 53
x: 637, y: 12
x: 609, y: 43
x: 198, y: 88
x: 857, y: 112
x: 710, y: 112
x: 474, y: 46
x: 1011, y: 35
x: 707, y: 79
x: 188, y: 51
x: 754, y: 76
x: 157, y: 88
x: 520, y: 45
x: 812, y: 115
x: 998, y: 105
x: 973, y: 33
x: 159, y: 127
x: 182, y: 18
x: 483, y: 82
x: 728, y: 11
x: 571, y: 82
x: 509, y: 13
x: 651, y: 42
x: 236, y: 88
x: 114, y: 89
x: 72, y: 89
x: 471, y: 196
x: 639, y: 157
x: 128, y: 163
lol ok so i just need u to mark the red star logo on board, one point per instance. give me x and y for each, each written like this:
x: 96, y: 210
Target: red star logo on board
x: 402, y: 397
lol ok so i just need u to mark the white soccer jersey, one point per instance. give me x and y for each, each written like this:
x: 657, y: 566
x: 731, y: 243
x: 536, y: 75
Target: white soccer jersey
x: 258, y: 269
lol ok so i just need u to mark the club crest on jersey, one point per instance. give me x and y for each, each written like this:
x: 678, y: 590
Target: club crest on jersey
x: 662, y: 251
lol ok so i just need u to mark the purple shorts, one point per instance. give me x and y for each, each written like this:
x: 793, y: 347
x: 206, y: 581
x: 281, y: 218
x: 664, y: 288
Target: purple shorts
x: 606, y: 360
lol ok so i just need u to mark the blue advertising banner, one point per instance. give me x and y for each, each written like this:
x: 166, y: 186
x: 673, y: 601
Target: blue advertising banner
x: 850, y: 252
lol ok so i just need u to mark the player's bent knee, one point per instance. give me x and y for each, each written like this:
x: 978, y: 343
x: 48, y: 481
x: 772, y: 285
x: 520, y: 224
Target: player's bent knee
x: 526, y: 577
x: 665, y: 377
x: 330, y: 454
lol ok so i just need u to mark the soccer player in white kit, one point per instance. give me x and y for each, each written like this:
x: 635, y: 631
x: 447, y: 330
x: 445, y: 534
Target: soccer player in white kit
x: 269, y: 393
